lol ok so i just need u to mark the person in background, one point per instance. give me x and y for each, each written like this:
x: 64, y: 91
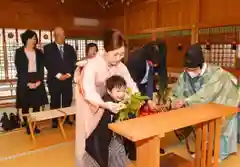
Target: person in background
x: 142, y: 64
x: 60, y: 63
x: 91, y: 51
x: 29, y: 62
x: 202, y: 83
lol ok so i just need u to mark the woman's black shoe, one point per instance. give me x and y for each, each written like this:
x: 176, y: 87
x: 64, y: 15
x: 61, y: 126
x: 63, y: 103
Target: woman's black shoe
x: 36, y: 130
x: 162, y: 151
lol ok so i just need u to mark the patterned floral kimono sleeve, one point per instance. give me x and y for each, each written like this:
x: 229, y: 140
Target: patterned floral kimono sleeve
x: 178, y: 89
x: 208, y: 92
x: 88, y: 86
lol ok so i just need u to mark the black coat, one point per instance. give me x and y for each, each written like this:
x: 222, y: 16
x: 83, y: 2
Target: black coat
x: 137, y: 62
x: 55, y: 64
x: 24, y: 96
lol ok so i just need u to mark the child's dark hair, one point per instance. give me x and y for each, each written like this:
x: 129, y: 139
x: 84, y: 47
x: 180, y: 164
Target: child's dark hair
x: 90, y: 45
x: 115, y: 81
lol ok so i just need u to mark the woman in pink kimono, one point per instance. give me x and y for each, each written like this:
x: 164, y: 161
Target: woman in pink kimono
x: 89, y: 92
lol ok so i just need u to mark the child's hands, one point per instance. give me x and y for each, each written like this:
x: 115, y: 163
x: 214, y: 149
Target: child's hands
x: 111, y: 106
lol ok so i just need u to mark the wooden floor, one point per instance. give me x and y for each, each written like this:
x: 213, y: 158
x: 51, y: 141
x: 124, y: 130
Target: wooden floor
x: 16, y: 149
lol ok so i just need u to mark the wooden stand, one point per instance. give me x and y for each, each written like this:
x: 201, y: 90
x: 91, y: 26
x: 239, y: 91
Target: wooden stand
x: 147, y: 131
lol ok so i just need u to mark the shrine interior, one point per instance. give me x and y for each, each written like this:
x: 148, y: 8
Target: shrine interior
x: 214, y: 24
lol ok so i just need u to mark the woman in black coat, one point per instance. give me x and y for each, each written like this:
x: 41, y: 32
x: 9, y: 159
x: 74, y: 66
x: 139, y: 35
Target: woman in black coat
x: 29, y: 62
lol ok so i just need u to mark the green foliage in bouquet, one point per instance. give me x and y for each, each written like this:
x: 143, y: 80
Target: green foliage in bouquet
x: 162, y: 90
x: 132, y: 106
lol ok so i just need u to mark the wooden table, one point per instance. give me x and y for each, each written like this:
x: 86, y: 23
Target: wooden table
x: 35, y: 117
x: 147, y: 131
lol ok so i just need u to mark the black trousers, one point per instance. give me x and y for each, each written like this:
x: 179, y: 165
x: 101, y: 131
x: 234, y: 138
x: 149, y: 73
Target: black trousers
x: 61, y: 94
x: 98, y: 142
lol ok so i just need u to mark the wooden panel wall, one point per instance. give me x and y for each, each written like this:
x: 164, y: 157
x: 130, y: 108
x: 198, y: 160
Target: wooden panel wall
x: 176, y: 13
x: 219, y: 12
x: 141, y: 17
x: 174, y: 56
x: 173, y: 13
x: 179, y: 14
x: 46, y: 14
x: 115, y: 23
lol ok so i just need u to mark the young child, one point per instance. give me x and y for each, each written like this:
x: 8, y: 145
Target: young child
x: 105, y: 148
x: 116, y: 92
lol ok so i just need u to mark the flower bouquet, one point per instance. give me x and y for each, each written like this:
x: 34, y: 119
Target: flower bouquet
x: 131, y: 107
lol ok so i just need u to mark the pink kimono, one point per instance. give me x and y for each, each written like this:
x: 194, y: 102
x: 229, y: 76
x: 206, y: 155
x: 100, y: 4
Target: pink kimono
x: 89, y: 91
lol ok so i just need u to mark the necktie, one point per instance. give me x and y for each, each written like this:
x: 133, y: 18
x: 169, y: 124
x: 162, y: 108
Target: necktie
x: 150, y: 82
x: 61, y: 51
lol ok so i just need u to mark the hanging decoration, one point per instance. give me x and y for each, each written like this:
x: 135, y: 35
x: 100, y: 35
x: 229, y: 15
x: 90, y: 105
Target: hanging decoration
x: 106, y: 4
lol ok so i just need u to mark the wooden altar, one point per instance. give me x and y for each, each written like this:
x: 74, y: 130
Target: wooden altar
x: 147, y: 132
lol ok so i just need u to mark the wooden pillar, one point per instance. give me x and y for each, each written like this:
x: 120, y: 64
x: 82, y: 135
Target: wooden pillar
x: 194, y: 35
x: 195, y: 27
x: 154, y: 36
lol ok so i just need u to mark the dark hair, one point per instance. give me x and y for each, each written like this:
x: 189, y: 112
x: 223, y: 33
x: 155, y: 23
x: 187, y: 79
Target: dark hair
x: 28, y: 34
x: 115, y: 81
x: 113, y: 39
x: 90, y: 45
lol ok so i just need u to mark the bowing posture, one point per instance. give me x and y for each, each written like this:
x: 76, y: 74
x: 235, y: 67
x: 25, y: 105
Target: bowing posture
x: 60, y: 62
x: 205, y: 83
x: 90, y: 90
x: 29, y: 62
x: 143, y: 64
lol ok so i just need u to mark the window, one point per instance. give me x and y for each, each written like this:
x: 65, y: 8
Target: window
x: 71, y: 42
x: 2, y: 62
x: 220, y: 54
x: 81, y: 48
x: 45, y: 38
x: 11, y: 46
x: 19, y: 32
x: 98, y: 42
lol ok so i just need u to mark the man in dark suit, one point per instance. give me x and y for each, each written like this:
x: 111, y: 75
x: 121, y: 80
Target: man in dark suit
x: 60, y: 63
x: 142, y: 65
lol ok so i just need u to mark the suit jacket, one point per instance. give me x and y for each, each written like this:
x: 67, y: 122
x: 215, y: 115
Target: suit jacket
x: 55, y: 64
x: 21, y: 63
x: 136, y: 65
x: 24, y: 97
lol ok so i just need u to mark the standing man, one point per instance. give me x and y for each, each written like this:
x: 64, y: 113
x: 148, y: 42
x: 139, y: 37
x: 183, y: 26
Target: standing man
x: 60, y: 63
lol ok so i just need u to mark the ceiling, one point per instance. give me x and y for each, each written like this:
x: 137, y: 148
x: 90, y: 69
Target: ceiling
x: 95, y: 8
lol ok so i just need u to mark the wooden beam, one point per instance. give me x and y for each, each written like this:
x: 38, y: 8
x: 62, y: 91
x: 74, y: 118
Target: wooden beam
x: 163, y: 29
x: 201, y: 25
